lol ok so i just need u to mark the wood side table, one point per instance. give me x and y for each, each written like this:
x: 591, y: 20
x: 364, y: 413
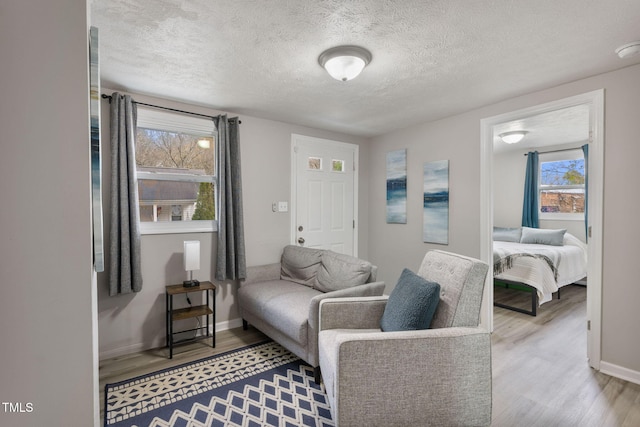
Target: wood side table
x: 207, y: 309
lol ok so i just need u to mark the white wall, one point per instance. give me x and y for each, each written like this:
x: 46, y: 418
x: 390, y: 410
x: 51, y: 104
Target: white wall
x: 134, y: 322
x: 508, y: 189
x: 47, y: 288
x: 457, y: 138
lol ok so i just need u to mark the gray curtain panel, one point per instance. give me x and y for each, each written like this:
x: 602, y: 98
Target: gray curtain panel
x: 125, y: 274
x: 231, y: 260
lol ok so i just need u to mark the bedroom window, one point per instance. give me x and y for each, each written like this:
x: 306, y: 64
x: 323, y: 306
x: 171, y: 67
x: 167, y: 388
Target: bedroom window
x: 561, y: 185
x: 176, y: 171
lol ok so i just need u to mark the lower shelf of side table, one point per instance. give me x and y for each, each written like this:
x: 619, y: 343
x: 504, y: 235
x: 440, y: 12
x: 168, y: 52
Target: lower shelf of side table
x: 197, y: 311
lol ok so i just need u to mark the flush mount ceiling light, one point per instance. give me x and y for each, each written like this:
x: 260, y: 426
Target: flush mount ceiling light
x: 344, y: 62
x: 628, y: 49
x: 513, y: 136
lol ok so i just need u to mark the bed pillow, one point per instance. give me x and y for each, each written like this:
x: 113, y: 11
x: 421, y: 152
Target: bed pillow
x: 411, y: 305
x: 504, y: 234
x: 543, y: 236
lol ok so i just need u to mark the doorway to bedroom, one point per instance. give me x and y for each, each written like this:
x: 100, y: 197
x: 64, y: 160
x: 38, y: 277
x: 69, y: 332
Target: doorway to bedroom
x: 558, y: 131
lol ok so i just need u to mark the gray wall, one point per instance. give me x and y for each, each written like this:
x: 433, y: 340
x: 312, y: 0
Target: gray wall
x: 130, y: 323
x: 47, y: 288
x: 457, y: 138
x: 396, y: 246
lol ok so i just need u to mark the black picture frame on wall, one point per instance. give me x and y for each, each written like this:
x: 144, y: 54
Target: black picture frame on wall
x: 96, y: 160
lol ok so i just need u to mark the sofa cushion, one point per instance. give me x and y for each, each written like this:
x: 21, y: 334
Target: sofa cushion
x: 300, y: 265
x: 280, y: 303
x: 411, y: 305
x: 339, y: 271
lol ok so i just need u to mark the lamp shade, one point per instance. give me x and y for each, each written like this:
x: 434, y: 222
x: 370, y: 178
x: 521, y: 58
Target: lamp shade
x: 192, y: 255
x: 344, y: 62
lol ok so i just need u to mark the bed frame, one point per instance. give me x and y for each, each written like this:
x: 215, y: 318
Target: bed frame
x: 532, y: 290
x: 534, y: 295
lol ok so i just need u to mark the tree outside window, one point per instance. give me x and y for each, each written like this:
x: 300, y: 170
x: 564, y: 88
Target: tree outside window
x: 562, y: 186
x: 176, y: 173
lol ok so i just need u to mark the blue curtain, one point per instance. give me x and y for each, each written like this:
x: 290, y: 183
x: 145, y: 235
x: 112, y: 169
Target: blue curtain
x: 530, y: 204
x: 125, y: 274
x: 231, y: 260
x: 585, y: 150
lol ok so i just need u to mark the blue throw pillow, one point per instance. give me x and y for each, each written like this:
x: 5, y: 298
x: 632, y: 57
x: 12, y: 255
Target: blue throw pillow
x: 411, y: 305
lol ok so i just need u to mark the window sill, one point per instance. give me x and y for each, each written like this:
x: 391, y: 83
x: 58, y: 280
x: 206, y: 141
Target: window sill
x: 178, y: 228
x: 561, y: 217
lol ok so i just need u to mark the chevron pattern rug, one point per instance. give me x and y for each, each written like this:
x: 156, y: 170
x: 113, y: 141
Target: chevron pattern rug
x: 259, y: 385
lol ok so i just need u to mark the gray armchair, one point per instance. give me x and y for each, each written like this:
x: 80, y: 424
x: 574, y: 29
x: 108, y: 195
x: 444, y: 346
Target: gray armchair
x: 439, y: 376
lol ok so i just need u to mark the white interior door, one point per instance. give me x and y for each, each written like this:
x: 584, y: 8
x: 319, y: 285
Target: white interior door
x: 324, y: 194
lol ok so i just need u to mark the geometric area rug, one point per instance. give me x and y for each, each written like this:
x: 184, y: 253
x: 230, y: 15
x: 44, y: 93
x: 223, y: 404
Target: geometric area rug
x: 259, y: 385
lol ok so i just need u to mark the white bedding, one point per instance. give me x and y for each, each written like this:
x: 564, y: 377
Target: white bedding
x: 570, y: 262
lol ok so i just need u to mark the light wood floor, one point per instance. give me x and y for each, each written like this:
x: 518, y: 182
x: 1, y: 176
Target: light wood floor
x: 540, y: 373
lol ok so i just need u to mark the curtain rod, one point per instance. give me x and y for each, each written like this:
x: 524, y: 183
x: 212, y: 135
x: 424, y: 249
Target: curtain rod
x: 556, y: 151
x: 167, y: 108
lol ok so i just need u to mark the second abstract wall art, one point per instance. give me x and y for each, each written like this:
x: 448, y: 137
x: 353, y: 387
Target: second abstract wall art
x: 436, y: 202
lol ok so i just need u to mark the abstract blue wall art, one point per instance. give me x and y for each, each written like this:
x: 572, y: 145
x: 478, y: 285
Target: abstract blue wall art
x: 436, y: 202
x: 397, y: 187
x: 96, y: 161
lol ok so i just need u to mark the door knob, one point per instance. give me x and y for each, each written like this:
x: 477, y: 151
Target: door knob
x: 301, y: 240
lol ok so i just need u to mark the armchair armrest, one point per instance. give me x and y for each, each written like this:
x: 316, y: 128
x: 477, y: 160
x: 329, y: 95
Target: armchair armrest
x: 367, y: 289
x: 262, y: 273
x: 352, y: 313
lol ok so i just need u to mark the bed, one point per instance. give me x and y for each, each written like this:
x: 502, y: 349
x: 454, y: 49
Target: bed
x: 544, y: 260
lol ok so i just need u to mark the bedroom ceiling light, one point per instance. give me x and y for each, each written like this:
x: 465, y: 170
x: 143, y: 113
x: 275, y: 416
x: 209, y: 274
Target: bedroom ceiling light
x: 344, y: 62
x: 629, y: 49
x: 513, y: 137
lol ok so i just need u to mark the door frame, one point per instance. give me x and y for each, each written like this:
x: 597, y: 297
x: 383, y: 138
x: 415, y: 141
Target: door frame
x: 310, y: 141
x: 595, y: 101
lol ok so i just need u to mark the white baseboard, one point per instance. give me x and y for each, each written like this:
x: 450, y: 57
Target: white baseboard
x: 229, y: 324
x: 620, y: 372
x: 142, y: 346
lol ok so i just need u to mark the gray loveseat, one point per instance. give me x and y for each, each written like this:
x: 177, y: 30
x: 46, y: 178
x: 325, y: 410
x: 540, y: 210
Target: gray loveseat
x: 282, y: 299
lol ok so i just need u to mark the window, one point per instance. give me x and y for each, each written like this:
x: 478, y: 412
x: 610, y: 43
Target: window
x: 176, y: 171
x: 561, y: 185
x: 314, y: 163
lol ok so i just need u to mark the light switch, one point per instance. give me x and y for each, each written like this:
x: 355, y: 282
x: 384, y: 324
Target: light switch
x: 283, y: 206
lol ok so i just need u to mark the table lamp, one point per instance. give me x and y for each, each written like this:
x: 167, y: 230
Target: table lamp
x: 191, y: 261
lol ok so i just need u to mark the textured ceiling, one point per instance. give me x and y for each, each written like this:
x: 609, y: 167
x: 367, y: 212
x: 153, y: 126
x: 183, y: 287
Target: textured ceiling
x: 560, y: 127
x: 431, y: 58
